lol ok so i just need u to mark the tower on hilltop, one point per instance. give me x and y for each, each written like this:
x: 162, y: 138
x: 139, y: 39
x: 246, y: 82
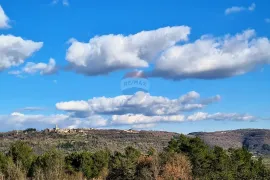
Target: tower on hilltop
x: 56, y: 127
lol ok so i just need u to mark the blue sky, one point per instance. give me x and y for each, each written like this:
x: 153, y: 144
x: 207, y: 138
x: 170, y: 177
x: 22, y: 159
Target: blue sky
x: 60, y: 57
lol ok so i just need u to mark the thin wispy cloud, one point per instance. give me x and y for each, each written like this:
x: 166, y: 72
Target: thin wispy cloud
x: 267, y: 20
x: 237, y: 9
x: 30, y: 109
x: 63, y: 2
x: 55, y: 1
x: 4, y: 20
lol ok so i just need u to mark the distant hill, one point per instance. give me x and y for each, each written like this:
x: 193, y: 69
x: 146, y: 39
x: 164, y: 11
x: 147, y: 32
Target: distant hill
x: 256, y: 140
x: 87, y: 139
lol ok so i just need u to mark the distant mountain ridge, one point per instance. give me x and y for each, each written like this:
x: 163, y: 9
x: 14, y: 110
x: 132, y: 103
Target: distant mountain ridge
x: 256, y: 141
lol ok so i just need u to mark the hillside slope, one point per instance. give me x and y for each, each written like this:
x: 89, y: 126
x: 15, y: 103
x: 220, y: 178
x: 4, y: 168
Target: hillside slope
x: 88, y: 139
x: 256, y: 140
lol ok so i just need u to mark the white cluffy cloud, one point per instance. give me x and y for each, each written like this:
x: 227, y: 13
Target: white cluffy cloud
x: 4, y: 20
x: 236, y: 9
x: 42, y: 68
x: 212, y: 58
x: 142, y: 110
x: 73, y: 106
x: 139, y: 103
x: 14, y: 50
x: 108, y: 53
x: 33, y: 68
x: 206, y: 58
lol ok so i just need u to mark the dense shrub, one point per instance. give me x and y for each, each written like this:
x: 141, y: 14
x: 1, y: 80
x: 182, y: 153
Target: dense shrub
x: 216, y: 163
x: 185, y: 158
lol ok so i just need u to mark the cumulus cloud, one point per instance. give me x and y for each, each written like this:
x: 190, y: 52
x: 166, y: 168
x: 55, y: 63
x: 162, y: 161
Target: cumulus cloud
x: 4, y: 20
x: 108, y: 53
x: 19, y: 121
x: 142, y: 110
x: 42, y: 68
x: 15, y: 50
x: 139, y: 103
x: 73, y: 106
x: 211, y: 58
x: 221, y: 117
x: 33, y: 68
x: 236, y: 9
x: 206, y: 58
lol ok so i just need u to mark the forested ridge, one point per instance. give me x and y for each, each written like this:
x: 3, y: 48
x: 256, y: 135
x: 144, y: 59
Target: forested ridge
x: 184, y: 158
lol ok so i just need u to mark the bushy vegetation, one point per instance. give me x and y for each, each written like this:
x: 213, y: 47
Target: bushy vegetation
x: 185, y: 159
x: 216, y: 163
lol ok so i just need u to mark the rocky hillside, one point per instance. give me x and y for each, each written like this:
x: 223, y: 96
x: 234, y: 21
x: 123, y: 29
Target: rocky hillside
x: 87, y: 139
x: 256, y: 140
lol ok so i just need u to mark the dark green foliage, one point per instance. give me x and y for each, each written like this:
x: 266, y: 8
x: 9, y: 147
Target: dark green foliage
x: 101, y: 161
x: 30, y: 130
x: 123, y: 166
x: 49, y: 159
x: 184, y: 158
x: 50, y: 163
x: 91, y: 165
x: 22, y: 154
x: 66, y: 145
x: 216, y: 163
x: 3, y: 163
x: 198, y: 152
x: 81, y: 162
